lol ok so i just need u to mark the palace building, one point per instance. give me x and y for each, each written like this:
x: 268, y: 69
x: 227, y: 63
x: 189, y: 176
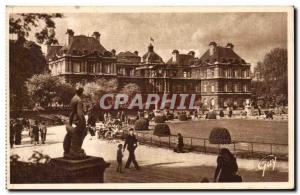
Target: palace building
x: 218, y: 77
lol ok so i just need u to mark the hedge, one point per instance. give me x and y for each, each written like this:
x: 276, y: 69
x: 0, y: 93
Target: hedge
x: 160, y: 119
x: 182, y: 117
x: 141, y: 124
x: 162, y: 129
x: 219, y: 135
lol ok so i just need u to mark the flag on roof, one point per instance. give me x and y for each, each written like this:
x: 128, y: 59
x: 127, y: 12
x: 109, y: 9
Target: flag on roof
x: 151, y: 39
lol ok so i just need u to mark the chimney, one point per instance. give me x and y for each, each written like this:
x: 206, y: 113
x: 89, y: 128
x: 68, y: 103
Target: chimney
x: 70, y: 33
x: 113, y: 51
x: 192, y: 53
x: 150, y: 48
x: 212, y: 48
x: 136, y: 53
x: 175, y: 55
x: 96, y: 35
x: 230, y: 45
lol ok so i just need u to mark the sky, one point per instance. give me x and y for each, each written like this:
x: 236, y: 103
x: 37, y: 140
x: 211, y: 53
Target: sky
x: 252, y: 34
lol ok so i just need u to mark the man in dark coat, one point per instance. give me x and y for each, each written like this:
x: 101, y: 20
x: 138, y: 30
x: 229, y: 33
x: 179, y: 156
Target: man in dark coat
x: 226, y: 167
x: 18, y: 132
x: 230, y: 113
x: 36, y: 132
x: 180, y: 143
x: 12, y: 133
x: 131, y: 144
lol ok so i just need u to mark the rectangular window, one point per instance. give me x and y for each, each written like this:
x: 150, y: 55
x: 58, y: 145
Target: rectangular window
x: 235, y: 73
x: 212, y: 88
x: 94, y: 68
x: 98, y: 68
x: 245, y: 88
x: 221, y: 72
x: 229, y: 87
x: 66, y: 66
x: 204, y: 88
x: 235, y: 87
x: 82, y: 67
x: 225, y: 87
x: 76, y: 67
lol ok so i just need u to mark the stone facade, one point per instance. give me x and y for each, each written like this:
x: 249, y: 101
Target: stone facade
x: 219, y: 77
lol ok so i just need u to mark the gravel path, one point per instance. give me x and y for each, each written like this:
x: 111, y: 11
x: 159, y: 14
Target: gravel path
x: 157, y: 164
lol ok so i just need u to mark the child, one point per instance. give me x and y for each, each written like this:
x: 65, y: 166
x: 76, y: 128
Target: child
x: 119, y: 158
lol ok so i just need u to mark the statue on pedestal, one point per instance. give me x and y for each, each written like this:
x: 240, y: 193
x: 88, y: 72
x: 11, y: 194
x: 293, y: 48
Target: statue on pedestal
x: 76, y: 129
x: 248, y: 107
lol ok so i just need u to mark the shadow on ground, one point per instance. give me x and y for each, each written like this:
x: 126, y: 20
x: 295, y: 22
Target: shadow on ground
x: 174, y: 173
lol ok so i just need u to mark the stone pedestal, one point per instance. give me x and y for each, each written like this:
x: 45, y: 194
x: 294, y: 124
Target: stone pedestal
x: 88, y: 170
x: 248, y: 109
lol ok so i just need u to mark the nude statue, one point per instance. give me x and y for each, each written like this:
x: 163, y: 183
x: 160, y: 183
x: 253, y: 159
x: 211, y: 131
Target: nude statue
x: 76, y: 129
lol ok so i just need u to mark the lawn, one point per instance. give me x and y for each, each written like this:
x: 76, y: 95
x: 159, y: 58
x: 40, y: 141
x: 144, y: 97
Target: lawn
x: 240, y: 129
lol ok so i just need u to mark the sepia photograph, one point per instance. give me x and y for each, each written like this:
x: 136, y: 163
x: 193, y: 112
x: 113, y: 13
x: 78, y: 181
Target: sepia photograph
x: 150, y: 98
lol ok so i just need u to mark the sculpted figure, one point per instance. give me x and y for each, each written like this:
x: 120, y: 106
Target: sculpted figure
x: 76, y: 129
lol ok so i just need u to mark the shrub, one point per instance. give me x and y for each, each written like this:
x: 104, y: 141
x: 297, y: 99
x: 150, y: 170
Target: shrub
x: 170, y: 117
x: 182, y: 117
x: 161, y: 129
x: 141, y: 124
x: 221, y: 113
x: 219, y: 135
x: 211, y: 115
x: 160, y: 119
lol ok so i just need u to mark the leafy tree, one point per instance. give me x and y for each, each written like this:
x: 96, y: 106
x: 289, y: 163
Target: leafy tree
x: 64, y: 93
x: 22, y: 24
x: 46, y: 89
x: 131, y: 89
x: 24, y: 60
x: 271, y: 77
x: 26, y: 57
x: 96, y: 89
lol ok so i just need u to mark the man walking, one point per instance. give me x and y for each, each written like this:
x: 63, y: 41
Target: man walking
x: 36, y: 132
x: 18, y: 128
x: 131, y: 144
x: 12, y: 133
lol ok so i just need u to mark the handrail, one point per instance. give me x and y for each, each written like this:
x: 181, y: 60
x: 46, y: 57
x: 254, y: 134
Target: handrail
x: 233, y: 141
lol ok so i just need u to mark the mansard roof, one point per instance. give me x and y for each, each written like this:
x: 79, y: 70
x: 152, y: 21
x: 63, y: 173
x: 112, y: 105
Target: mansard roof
x: 82, y: 43
x: 221, y: 54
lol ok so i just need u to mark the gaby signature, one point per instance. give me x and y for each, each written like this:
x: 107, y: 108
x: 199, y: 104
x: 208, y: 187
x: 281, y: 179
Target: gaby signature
x: 268, y: 161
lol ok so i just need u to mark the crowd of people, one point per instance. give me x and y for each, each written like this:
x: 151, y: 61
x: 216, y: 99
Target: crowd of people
x: 37, y: 131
